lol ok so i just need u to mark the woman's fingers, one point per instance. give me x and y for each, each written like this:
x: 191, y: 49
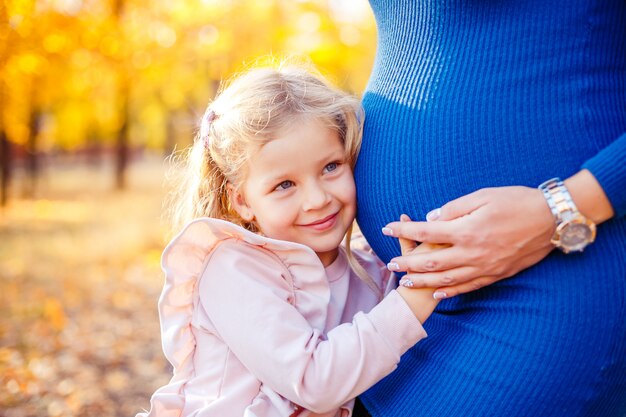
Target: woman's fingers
x: 459, y: 207
x: 428, y: 258
x: 471, y: 285
x: 447, y: 278
x: 455, y: 281
x: 432, y: 232
x: 474, y: 284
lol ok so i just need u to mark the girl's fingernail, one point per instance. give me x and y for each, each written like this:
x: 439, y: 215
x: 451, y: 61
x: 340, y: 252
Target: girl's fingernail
x: 439, y: 295
x: 387, y: 231
x: 433, y: 215
x: 406, y: 283
x: 393, y: 266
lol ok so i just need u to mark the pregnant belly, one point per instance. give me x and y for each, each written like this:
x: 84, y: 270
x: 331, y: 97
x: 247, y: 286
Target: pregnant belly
x: 415, y: 160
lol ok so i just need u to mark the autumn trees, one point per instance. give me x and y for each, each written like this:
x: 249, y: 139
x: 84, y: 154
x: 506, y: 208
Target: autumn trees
x: 107, y: 77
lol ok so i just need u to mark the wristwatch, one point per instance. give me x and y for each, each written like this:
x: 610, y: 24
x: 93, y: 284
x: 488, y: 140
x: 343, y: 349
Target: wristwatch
x: 573, y: 230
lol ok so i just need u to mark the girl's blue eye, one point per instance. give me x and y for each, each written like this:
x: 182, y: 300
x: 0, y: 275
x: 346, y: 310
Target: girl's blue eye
x: 284, y: 185
x: 331, y: 167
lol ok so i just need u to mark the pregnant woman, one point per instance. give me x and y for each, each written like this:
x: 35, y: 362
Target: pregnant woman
x: 470, y: 107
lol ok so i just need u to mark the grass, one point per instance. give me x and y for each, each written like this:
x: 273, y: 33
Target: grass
x: 79, y: 282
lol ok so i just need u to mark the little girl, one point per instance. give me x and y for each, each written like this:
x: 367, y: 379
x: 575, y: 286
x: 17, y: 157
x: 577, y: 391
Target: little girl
x: 263, y: 313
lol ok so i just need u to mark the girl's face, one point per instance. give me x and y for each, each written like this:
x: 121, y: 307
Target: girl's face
x: 299, y: 187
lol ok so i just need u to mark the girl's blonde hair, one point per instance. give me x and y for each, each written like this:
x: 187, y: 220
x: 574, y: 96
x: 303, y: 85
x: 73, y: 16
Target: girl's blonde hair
x: 248, y: 112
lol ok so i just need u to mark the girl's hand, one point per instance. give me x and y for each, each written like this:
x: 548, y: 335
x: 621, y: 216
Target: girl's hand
x: 420, y: 300
x: 490, y: 235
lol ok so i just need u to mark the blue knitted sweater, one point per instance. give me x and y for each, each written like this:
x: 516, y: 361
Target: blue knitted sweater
x: 472, y: 94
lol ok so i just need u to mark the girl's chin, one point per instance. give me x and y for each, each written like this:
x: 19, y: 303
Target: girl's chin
x: 328, y: 257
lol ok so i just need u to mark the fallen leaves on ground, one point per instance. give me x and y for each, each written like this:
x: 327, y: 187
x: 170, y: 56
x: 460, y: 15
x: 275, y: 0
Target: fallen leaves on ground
x: 80, y: 279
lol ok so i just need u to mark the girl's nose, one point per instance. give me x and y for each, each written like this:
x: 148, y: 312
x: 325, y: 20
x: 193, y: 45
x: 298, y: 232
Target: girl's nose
x: 316, y: 196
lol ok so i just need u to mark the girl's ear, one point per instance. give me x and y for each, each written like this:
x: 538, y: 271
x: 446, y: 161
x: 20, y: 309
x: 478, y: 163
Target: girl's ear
x: 238, y: 202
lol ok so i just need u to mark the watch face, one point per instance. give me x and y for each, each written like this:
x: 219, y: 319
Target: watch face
x: 575, y: 236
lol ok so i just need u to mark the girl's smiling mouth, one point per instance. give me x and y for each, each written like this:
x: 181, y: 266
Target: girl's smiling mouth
x: 322, y: 224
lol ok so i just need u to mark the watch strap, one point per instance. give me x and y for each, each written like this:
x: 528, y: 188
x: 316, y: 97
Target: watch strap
x: 559, y: 200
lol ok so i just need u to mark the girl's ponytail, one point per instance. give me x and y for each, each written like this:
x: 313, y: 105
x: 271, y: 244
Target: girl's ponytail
x: 199, y: 186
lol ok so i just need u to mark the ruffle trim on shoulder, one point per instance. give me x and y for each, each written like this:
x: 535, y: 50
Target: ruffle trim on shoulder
x: 184, y: 261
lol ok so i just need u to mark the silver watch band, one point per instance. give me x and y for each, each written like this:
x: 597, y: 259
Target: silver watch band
x: 559, y: 200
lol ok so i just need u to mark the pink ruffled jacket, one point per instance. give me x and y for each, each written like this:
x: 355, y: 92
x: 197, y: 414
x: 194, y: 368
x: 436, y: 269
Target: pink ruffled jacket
x: 253, y: 326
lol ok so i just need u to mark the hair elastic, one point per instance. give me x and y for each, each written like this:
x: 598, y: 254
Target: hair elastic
x: 205, y: 126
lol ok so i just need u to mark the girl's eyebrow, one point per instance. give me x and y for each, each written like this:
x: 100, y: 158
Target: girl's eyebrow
x: 336, y: 154
x: 271, y: 181
x: 279, y: 177
x: 285, y: 175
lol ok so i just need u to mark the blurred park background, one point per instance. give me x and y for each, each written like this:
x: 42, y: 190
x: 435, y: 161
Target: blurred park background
x: 94, y: 95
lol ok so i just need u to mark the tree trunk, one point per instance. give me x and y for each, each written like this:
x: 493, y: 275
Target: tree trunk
x: 32, y: 161
x: 122, y: 150
x: 122, y: 143
x: 5, y: 168
x: 5, y: 146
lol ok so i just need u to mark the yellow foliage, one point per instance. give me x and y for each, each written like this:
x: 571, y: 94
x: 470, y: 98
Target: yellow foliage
x: 74, y: 61
x: 72, y: 124
x: 54, y: 43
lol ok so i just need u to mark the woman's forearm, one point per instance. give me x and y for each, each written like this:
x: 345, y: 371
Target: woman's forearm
x: 589, y: 196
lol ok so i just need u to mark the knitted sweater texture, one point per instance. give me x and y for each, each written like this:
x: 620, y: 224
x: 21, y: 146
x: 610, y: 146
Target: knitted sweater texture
x: 466, y: 95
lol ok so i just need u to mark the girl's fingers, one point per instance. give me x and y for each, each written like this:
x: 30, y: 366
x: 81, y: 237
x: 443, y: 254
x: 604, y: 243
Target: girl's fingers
x: 406, y: 245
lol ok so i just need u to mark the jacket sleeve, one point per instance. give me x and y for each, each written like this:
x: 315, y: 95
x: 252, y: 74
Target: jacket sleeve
x: 250, y: 302
x: 609, y: 168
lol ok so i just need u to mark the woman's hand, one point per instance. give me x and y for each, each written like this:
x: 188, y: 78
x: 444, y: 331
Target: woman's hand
x: 491, y: 234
